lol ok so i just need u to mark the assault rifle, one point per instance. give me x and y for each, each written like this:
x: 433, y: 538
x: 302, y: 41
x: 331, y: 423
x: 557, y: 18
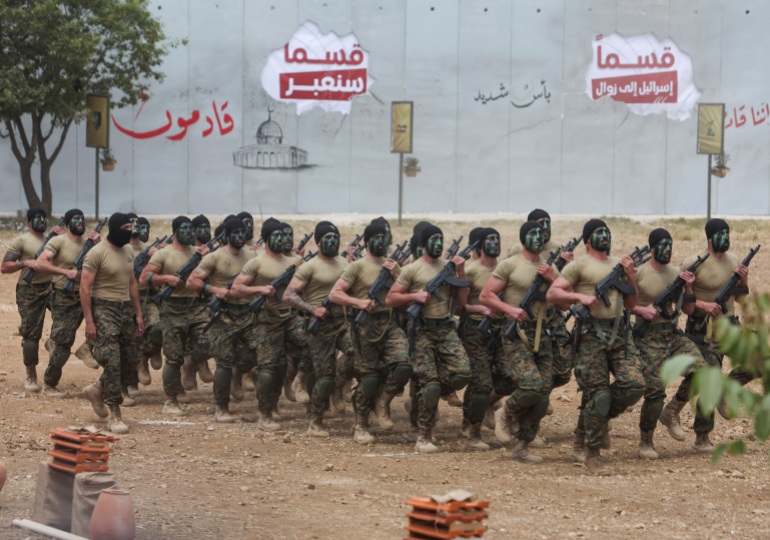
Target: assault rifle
x: 186, y: 269
x: 671, y: 294
x: 69, y: 287
x: 731, y: 288
x: 443, y: 277
x: 611, y: 281
x: 217, y: 306
x: 302, y: 243
x: 315, y: 324
x: 404, y: 256
x: 354, y: 243
x: 310, y: 255
x: 569, y: 248
x: 29, y: 274
x: 383, y: 282
x: 454, y: 248
x: 279, y: 284
x: 357, y: 253
x: 533, y: 294
x: 141, y: 260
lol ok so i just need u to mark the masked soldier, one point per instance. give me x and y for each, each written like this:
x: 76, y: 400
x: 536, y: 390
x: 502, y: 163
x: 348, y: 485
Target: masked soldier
x: 32, y: 298
x: 58, y: 259
x: 599, y: 351
x: 439, y: 358
x: 109, y: 298
x: 248, y: 222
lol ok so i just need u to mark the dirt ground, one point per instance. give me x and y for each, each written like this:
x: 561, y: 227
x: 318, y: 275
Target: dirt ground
x: 196, y: 479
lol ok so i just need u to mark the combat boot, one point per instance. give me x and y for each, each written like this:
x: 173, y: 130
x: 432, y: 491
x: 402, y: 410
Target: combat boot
x: 188, y: 374
x: 669, y: 417
x: 143, y: 371
x: 85, y: 354
x: 128, y: 401
x: 156, y: 361
x: 424, y: 444
x: 703, y: 444
x: 539, y: 441
x: 724, y: 410
x: 474, y: 438
x: 30, y: 384
x: 382, y: 410
x: 171, y: 407
x: 646, y: 448
x: 52, y: 391
x: 236, y: 385
x: 453, y: 400
x: 300, y: 387
x: 133, y: 390
x: 95, y: 394
x: 594, y: 463
x: 522, y: 454
x: 115, y: 424
x: 606, y: 441
x: 222, y: 415
x: 266, y: 422
x: 288, y: 382
x: 204, y: 372
x: 182, y: 397
x: 247, y: 381
x: 317, y: 427
x: 504, y: 425
x: 336, y: 402
x: 465, y: 428
x: 578, y: 454
x: 361, y: 431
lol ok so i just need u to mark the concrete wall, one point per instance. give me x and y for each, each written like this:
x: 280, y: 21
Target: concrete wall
x: 567, y: 154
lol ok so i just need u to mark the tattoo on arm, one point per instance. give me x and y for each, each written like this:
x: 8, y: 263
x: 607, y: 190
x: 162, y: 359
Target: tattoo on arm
x: 200, y: 273
x: 10, y: 257
x: 292, y: 297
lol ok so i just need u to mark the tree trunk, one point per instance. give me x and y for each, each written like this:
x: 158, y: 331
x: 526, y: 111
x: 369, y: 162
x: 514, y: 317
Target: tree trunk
x: 29, y: 187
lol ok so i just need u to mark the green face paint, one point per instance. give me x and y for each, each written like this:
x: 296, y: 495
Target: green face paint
x: 134, y: 227
x: 330, y: 245
x: 77, y: 225
x: 546, y: 224
x: 662, y: 251
x: 418, y: 252
x: 388, y: 237
x: 491, y: 245
x: 39, y: 223
x: 601, y: 239
x: 721, y: 241
x: 378, y: 245
x: 186, y: 234
x: 275, y: 242
x: 249, y: 224
x: 435, y: 246
x: 203, y: 233
x: 534, y: 241
x: 288, y: 240
x: 144, y: 232
x: 237, y: 239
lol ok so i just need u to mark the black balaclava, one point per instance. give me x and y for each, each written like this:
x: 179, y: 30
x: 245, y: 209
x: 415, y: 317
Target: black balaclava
x: 660, y: 243
x: 376, y: 239
x: 75, y: 221
x: 718, y: 231
x: 432, y: 239
x: 144, y: 229
x: 490, y: 241
x: 329, y: 246
x: 36, y: 217
x: 202, y: 227
x: 183, y: 229
x: 273, y: 241
x: 218, y: 231
x: 248, y: 222
x: 531, y: 236
x: 119, y: 237
x: 134, y: 220
x: 388, y: 233
x: 236, y: 232
x: 544, y: 218
x: 588, y: 235
x: 415, y: 247
x: 476, y: 234
x: 288, y: 238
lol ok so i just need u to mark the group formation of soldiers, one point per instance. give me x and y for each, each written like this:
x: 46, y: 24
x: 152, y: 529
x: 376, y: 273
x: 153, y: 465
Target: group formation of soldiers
x: 384, y: 317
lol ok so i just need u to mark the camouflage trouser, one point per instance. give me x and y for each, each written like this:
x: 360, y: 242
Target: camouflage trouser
x: 659, y: 343
x: 274, y: 333
x: 231, y: 343
x: 66, y: 316
x: 594, y: 362
x: 115, y: 345
x: 323, y: 345
x: 383, y: 361
x: 482, y: 360
x: 152, y: 339
x: 561, y: 340
x: 441, y: 365
x: 32, y: 301
x: 182, y: 321
x: 302, y: 361
x: 533, y: 380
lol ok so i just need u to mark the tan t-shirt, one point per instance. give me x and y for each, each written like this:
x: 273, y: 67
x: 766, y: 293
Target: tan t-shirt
x: 113, y: 268
x: 477, y: 274
x: 710, y: 277
x: 263, y: 269
x: 26, y: 246
x: 652, y: 283
x: 415, y: 278
x: 221, y: 267
x: 319, y: 277
x: 518, y: 274
x: 585, y: 273
x: 169, y: 261
x: 550, y: 246
x: 360, y: 275
x: 65, y: 250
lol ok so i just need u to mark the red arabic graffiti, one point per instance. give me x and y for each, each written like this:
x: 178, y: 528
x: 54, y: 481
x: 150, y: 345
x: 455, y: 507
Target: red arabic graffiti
x: 224, y: 124
x: 759, y: 115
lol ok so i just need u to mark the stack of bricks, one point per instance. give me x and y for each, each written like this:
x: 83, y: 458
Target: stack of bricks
x: 453, y: 519
x: 80, y: 451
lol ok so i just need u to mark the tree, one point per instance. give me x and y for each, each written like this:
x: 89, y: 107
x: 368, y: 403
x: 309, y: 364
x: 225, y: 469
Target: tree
x: 55, y: 52
x: 749, y: 350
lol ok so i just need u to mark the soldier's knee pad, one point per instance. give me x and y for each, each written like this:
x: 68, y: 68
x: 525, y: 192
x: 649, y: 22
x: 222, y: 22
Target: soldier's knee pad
x: 477, y: 407
x: 401, y: 374
x: 528, y: 398
x: 369, y: 385
x: 631, y: 396
x: 602, y: 400
x: 459, y: 380
x: 325, y: 387
x: 540, y: 407
x: 504, y: 387
x: 431, y: 393
x: 156, y: 336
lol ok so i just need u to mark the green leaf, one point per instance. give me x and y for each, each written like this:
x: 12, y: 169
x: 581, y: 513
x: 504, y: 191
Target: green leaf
x: 736, y: 447
x: 762, y: 420
x: 763, y: 302
x: 708, y: 383
x: 675, y: 367
x: 718, y: 452
x: 732, y: 396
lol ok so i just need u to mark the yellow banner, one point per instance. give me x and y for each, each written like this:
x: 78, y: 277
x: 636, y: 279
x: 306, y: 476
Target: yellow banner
x: 711, y: 128
x: 401, y: 127
x: 98, y: 121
